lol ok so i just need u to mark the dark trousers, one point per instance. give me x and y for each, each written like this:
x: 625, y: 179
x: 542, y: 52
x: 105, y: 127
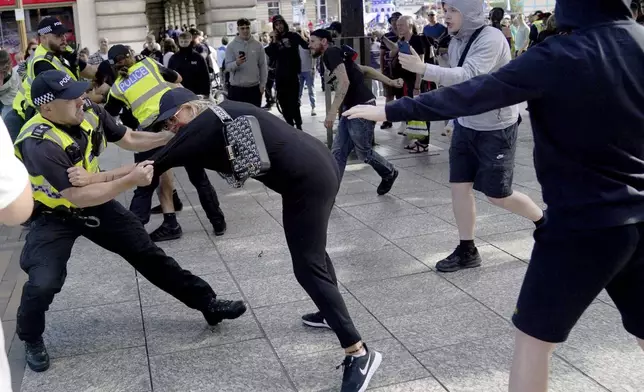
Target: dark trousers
x: 49, y: 244
x: 142, y: 199
x: 288, y: 96
x: 268, y: 91
x: 306, y: 212
x: 250, y: 95
x: 14, y: 123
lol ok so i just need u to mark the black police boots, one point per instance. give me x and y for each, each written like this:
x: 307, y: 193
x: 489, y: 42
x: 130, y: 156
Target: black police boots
x: 37, y: 357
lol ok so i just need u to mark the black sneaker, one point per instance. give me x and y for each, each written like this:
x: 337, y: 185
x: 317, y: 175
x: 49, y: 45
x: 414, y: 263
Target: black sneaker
x: 178, y: 205
x: 220, y: 309
x: 315, y: 320
x: 268, y: 106
x: 166, y: 232
x: 460, y: 259
x: 387, y: 183
x: 220, y: 227
x: 37, y: 357
x: 359, y: 370
x: 386, y: 125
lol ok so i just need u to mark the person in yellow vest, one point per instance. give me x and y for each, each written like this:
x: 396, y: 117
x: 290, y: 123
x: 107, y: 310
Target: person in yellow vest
x: 139, y: 85
x: 538, y: 20
x: 60, y: 148
x: 52, y: 53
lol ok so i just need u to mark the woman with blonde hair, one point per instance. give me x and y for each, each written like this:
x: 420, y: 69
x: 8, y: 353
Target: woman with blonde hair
x: 303, y: 171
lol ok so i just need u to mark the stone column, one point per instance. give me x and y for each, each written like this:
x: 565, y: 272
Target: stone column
x: 122, y: 22
x: 184, y: 14
x: 166, y: 10
x: 154, y: 13
x: 177, y: 17
x: 192, y: 19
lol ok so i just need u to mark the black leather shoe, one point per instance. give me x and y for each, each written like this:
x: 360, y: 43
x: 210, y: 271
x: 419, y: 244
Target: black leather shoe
x: 166, y: 232
x: 220, y: 227
x: 219, y: 310
x: 36, y: 354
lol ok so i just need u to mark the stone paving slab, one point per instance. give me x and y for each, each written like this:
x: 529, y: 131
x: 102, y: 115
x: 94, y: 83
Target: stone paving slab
x: 111, y: 330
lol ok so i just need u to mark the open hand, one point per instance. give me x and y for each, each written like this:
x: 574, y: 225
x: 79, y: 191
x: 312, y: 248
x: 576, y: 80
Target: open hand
x: 367, y: 112
x: 412, y: 62
x: 78, y: 176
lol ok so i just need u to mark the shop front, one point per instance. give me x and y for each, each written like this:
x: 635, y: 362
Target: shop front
x: 34, y: 11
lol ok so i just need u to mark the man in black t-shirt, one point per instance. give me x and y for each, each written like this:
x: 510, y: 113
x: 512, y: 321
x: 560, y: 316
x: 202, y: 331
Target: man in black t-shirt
x: 58, y: 148
x: 350, y: 90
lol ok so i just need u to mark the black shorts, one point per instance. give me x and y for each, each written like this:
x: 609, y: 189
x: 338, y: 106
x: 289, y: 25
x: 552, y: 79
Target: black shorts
x: 485, y: 158
x: 569, y: 268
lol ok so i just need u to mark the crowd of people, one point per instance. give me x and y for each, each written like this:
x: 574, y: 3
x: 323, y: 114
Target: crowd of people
x: 469, y: 68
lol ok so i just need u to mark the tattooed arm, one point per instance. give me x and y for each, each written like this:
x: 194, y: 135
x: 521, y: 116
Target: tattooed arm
x: 340, y: 73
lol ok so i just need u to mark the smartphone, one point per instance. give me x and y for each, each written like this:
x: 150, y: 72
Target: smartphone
x: 242, y: 53
x: 404, y: 47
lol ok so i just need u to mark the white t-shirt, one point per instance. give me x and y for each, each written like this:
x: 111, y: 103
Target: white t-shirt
x: 13, y: 178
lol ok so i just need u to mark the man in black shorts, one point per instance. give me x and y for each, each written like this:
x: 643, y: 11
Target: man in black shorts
x: 593, y: 236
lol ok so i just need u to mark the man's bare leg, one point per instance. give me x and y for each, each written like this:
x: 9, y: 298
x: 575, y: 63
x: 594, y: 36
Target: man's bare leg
x: 531, y: 364
x: 170, y: 228
x: 519, y: 204
x: 464, y: 209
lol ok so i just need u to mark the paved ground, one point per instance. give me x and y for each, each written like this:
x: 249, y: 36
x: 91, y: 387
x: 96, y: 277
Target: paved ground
x: 110, y: 330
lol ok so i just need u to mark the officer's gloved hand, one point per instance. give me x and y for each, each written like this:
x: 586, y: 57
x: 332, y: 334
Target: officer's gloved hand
x: 71, y: 56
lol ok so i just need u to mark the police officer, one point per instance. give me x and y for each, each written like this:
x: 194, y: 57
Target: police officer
x: 54, y: 145
x: 52, y: 53
x: 139, y: 85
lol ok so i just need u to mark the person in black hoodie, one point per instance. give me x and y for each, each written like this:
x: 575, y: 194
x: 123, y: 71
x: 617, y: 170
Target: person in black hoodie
x: 191, y: 66
x: 589, y: 160
x: 284, y: 49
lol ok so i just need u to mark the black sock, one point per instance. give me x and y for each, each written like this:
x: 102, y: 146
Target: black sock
x: 540, y: 221
x: 467, y: 245
x: 170, y: 219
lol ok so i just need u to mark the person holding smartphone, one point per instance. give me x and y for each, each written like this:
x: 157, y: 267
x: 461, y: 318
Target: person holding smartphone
x: 247, y: 66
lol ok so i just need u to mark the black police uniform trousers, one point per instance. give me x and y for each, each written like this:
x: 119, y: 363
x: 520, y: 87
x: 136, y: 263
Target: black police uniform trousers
x: 142, y: 199
x: 47, y: 250
x: 288, y: 96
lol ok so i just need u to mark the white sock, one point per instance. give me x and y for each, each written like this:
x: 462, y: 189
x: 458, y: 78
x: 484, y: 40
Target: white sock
x: 360, y: 353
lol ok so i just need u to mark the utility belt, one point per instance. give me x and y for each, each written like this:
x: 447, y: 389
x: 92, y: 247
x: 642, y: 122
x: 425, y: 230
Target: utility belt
x: 75, y: 215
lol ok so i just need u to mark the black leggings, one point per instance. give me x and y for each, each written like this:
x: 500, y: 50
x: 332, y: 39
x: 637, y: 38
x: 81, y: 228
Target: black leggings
x: 306, y: 217
x: 288, y: 92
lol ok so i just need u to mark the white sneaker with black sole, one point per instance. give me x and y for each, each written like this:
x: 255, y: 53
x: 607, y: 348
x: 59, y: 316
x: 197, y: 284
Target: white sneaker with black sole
x: 359, y: 370
x: 315, y: 320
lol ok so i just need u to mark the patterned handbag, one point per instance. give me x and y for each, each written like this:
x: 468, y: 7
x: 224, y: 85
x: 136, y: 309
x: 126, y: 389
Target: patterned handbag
x: 245, y: 147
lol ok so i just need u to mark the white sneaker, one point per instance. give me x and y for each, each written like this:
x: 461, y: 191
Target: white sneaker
x: 313, y: 112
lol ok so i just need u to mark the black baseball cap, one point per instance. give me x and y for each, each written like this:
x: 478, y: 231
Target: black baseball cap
x: 117, y: 51
x: 323, y: 33
x: 54, y: 84
x: 395, y: 15
x: 51, y: 25
x: 171, y: 101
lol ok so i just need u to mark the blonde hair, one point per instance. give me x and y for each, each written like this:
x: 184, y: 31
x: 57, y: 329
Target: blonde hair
x: 197, y: 107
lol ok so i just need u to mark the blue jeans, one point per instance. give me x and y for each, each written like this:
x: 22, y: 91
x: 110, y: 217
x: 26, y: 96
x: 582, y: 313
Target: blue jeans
x: 358, y: 134
x: 307, y: 77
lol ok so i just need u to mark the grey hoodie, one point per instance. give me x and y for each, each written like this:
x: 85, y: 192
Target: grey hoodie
x: 251, y: 73
x: 488, y: 53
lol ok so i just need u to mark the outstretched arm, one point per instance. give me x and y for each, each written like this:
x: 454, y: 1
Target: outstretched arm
x: 372, y: 73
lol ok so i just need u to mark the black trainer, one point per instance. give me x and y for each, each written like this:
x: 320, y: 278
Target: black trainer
x: 460, y: 259
x: 359, y: 370
x: 166, y: 232
x: 37, y: 357
x: 220, y: 227
x: 387, y: 183
x: 315, y: 320
x: 386, y: 125
x: 178, y: 205
x: 220, y: 309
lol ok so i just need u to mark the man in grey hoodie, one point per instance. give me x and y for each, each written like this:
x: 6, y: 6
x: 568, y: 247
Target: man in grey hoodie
x: 481, y: 155
x: 246, y: 63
